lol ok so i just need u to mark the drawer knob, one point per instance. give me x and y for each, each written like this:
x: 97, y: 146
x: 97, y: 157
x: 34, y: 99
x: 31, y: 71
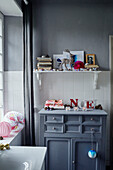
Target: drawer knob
x: 91, y: 119
x: 73, y: 162
x: 54, y: 118
x: 53, y: 128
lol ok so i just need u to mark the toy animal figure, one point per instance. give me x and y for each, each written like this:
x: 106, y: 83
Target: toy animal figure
x: 66, y: 61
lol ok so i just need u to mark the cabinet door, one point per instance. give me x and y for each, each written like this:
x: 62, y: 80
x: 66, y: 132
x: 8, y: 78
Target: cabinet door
x: 80, y: 159
x: 58, y: 154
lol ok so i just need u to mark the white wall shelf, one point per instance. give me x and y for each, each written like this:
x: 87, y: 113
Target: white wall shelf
x: 95, y: 74
x: 67, y: 71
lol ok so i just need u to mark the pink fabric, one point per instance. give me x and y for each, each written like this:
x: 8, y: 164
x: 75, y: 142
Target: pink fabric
x: 5, y: 129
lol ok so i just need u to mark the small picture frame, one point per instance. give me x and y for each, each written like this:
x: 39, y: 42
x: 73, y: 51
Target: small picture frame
x: 90, y: 59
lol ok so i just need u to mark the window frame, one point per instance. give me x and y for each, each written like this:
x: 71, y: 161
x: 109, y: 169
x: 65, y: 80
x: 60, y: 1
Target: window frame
x: 2, y: 72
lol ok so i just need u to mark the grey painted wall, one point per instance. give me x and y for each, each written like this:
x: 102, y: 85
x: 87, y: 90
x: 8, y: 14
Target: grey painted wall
x: 57, y: 26
x: 13, y: 43
x: 75, y: 26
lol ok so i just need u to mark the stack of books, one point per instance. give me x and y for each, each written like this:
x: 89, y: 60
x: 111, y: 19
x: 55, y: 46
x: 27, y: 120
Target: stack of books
x: 44, y: 63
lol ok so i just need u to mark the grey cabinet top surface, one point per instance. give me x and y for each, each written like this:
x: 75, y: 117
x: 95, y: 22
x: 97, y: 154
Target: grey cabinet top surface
x: 64, y: 112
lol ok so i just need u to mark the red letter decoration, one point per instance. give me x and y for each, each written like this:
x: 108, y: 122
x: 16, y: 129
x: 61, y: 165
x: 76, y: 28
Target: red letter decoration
x: 74, y: 102
x: 89, y: 104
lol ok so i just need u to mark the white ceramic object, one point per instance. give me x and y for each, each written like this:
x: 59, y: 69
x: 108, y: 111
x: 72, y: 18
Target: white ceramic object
x: 22, y: 158
x: 92, y: 154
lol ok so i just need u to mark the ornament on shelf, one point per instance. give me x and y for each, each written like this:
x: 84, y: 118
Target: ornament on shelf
x: 78, y: 65
x: 84, y: 109
x: 75, y: 108
x: 98, y: 107
x: 89, y: 104
x: 68, y: 108
x: 74, y: 102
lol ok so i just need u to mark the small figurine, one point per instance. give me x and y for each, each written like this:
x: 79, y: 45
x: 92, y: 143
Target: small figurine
x: 75, y: 108
x: 1, y: 138
x: 84, y: 109
x: 98, y: 107
x: 68, y: 108
x: 66, y: 61
x: 1, y: 147
x: 7, y: 146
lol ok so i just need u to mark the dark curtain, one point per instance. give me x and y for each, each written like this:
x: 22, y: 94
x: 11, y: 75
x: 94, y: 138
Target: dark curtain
x: 28, y: 75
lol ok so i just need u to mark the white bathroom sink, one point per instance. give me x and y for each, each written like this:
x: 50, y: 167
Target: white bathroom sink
x: 22, y: 158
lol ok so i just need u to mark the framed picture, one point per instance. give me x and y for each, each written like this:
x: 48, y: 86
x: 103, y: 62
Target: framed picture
x: 57, y: 58
x: 90, y: 59
x: 78, y: 55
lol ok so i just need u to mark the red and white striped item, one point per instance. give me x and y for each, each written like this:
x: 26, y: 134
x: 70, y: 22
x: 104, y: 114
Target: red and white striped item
x: 5, y: 129
x: 56, y: 104
x: 50, y: 102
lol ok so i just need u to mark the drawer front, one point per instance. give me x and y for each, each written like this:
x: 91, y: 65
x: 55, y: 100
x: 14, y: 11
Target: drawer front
x: 52, y: 128
x: 90, y: 128
x: 54, y: 119
x: 72, y: 119
x: 72, y: 128
x: 92, y: 119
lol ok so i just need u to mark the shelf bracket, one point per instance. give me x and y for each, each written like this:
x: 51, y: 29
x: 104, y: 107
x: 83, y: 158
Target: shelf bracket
x: 95, y: 79
x: 39, y: 79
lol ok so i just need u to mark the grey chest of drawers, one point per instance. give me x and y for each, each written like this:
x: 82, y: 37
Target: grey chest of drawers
x: 69, y: 135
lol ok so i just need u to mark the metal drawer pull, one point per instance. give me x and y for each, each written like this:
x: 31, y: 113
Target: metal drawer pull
x: 54, y: 128
x: 54, y: 118
x: 73, y: 162
x: 92, y: 119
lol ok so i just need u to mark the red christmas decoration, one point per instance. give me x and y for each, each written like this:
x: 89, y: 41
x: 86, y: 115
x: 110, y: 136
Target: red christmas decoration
x: 89, y: 104
x: 74, y: 102
x: 78, y: 65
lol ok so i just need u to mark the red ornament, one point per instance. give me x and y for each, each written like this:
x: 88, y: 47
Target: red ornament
x: 78, y: 65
